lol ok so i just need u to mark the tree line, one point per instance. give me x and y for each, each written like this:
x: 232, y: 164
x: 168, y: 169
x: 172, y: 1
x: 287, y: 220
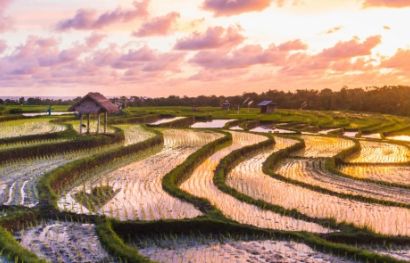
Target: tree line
x: 386, y: 99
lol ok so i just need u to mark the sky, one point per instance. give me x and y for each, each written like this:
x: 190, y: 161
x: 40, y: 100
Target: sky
x: 200, y: 47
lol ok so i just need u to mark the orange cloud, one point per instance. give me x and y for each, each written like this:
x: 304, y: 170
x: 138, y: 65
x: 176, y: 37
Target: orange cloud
x: 387, y: 3
x: 352, y: 48
x: 89, y: 19
x: 214, y: 37
x: 158, y: 26
x: 234, y: 7
x: 400, y: 61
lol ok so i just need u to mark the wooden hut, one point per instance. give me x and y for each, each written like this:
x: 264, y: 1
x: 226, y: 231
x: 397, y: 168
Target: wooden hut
x: 226, y: 105
x: 94, y: 103
x: 267, y: 106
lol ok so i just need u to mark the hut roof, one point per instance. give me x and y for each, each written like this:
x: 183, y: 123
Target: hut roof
x: 266, y: 103
x: 100, y: 100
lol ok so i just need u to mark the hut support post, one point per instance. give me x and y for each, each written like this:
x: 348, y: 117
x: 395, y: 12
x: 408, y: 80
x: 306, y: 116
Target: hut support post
x: 88, y: 123
x: 98, y: 122
x: 81, y: 123
x: 105, y: 121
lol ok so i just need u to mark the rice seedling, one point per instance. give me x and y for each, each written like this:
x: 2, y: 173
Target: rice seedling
x: 134, y: 133
x: 380, y: 152
x: 221, y: 248
x: 93, y: 126
x: 313, y: 172
x: 18, y: 180
x: 200, y: 184
x: 396, y: 251
x: 323, y: 146
x: 397, y: 174
x: 378, y: 218
x: 64, y: 242
x: 22, y: 144
x: 139, y: 184
x: 26, y: 127
x: 211, y: 124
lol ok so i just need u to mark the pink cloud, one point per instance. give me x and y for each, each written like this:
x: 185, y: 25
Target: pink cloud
x: 3, y: 46
x: 147, y: 59
x: 214, y: 37
x: 89, y: 19
x: 234, y: 7
x: 95, y: 39
x: 240, y: 58
x: 293, y: 45
x: 352, y: 48
x: 158, y: 26
x: 386, y: 3
x: 400, y: 60
x: 5, y: 22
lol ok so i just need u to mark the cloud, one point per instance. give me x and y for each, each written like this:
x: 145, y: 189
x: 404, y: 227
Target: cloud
x: 234, y: 7
x: 386, y: 3
x: 240, y: 58
x: 399, y: 61
x: 89, y: 19
x: 5, y: 21
x: 147, y: 59
x: 352, y: 48
x: 94, y: 40
x: 337, y: 57
x: 3, y: 46
x: 158, y: 26
x: 214, y: 37
x: 293, y: 45
x: 333, y: 30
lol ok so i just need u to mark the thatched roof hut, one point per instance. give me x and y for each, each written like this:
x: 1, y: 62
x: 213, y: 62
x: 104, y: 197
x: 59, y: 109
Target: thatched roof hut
x: 94, y: 103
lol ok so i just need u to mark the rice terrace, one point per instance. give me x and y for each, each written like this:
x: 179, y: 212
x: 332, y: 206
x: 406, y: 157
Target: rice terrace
x: 205, y: 131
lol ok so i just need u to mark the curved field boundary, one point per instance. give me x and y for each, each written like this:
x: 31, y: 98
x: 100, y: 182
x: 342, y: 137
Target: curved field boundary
x: 201, y: 183
x: 179, y: 174
x: 80, y: 142
x: 345, y: 159
x: 337, y: 170
x: 268, y: 169
x: 126, y: 230
x: 116, y: 246
x: 56, y: 181
x: 9, y: 246
x: 230, y: 161
x: 330, y: 165
x: 299, y: 172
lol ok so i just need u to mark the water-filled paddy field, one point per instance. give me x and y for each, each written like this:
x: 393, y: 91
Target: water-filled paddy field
x: 279, y: 191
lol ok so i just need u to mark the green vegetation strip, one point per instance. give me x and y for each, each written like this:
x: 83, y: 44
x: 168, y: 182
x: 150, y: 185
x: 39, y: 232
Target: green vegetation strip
x: 179, y: 174
x: 116, y: 246
x: 73, y: 143
x: 59, y: 179
x: 234, y: 158
x: 9, y: 246
x: 330, y: 165
x: 128, y: 230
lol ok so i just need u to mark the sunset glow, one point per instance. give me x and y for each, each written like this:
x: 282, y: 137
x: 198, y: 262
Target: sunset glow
x: 194, y: 47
